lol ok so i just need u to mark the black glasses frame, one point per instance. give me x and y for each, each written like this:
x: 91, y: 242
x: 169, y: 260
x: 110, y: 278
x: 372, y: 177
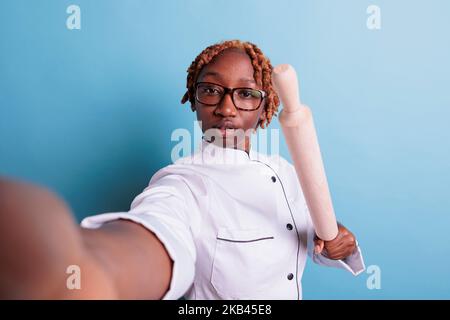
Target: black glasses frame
x: 231, y: 92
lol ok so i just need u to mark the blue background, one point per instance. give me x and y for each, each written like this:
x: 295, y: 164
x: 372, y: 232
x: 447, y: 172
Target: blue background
x: 90, y: 112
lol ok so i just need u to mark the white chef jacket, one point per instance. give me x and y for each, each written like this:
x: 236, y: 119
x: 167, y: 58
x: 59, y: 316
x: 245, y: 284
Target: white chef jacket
x: 236, y: 225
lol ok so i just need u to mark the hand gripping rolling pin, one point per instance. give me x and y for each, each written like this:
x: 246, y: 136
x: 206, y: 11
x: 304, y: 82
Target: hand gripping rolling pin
x: 298, y: 129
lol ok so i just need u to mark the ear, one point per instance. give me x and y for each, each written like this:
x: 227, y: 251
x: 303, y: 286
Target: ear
x: 262, y: 117
x: 186, y: 98
x: 193, y: 105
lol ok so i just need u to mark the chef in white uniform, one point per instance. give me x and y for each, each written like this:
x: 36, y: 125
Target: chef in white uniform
x: 236, y: 225
x: 234, y: 221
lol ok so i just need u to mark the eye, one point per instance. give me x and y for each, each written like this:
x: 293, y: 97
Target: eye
x: 249, y: 94
x: 210, y: 90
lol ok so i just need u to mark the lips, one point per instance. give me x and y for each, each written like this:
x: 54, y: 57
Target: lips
x: 225, y: 125
x: 226, y: 128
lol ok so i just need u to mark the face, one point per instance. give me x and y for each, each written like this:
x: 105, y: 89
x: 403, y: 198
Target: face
x: 232, y: 68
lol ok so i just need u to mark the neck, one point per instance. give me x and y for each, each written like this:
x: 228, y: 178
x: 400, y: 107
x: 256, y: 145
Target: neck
x: 244, y: 145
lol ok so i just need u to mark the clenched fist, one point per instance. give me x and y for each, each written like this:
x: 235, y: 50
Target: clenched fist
x: 340, y: 247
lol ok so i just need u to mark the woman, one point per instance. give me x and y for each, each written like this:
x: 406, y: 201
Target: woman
x: 224, y: 223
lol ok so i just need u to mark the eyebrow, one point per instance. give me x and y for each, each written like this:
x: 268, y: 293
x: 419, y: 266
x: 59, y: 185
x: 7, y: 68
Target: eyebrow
x: 218, y: 75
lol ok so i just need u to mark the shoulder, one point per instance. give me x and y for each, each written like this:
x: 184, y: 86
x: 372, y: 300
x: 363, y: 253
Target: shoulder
x: 180, y: 174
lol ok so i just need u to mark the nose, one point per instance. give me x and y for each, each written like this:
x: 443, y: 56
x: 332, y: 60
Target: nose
x: 226, y: 107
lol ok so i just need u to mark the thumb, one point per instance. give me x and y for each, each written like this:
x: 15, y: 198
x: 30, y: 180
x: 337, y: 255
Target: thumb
x: 318, y: 245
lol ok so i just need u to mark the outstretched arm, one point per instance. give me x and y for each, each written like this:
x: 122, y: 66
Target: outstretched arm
x: 39, y: 239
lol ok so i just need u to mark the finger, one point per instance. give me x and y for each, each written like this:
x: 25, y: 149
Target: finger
x: 348, y: 240
x: 335, y: 247
x: 335, y: 252
x: 336, y: 241
x: 341, y: 253
x: 318, y: 245
x: 336, y: 255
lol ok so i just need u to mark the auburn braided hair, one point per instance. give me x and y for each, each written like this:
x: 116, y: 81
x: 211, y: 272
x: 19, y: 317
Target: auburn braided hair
x: 261, y: 64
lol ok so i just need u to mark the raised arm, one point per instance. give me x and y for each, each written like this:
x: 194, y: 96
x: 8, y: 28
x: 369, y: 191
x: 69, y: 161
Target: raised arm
x: 39, y: 240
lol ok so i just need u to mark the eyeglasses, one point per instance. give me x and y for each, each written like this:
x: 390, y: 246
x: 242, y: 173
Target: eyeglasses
x: 211, y: 94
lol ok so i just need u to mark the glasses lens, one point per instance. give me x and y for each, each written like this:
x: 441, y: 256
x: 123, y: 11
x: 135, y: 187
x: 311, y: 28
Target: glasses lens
x: 247, y: 98
x: 209, y: 93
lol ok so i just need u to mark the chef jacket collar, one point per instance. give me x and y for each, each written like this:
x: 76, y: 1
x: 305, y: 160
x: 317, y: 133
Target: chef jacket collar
x: 212, y: 153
